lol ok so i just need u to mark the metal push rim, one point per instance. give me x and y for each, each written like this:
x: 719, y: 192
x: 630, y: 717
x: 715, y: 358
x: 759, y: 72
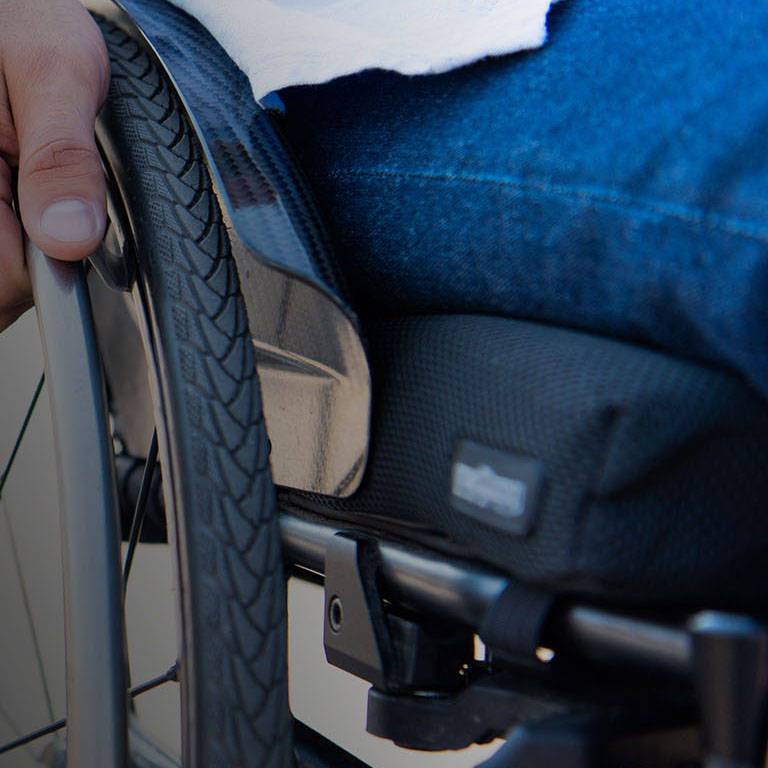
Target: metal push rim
x: 97, y: 690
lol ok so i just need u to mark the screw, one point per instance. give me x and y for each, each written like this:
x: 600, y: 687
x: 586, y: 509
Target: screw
x: 335, y: 614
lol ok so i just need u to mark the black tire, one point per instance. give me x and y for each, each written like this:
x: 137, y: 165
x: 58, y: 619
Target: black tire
x: 214, y: 447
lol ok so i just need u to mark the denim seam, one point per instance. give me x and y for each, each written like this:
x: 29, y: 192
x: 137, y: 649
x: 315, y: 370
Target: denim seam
x: 686, y: 214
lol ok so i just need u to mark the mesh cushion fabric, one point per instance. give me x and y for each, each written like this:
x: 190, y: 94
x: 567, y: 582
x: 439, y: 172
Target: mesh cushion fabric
x: 656, y: 469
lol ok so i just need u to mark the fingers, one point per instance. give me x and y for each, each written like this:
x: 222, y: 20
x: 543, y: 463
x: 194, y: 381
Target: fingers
x: 56, y: 74
x: 15, y: 289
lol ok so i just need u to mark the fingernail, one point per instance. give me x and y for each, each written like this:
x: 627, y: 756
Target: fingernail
x: 70, y: 221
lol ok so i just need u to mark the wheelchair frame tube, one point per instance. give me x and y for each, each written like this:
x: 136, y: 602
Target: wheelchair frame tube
x: 95, y: 650
x: 464, y: 593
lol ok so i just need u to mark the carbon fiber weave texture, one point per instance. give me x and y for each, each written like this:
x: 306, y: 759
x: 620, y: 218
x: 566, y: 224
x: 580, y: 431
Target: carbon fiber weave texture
x: 271, y: 206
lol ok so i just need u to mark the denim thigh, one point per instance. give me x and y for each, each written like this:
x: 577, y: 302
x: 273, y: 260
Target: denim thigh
x: 614, y: 180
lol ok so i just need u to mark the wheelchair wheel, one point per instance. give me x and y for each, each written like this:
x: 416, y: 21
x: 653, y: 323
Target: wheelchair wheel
x: 172, y: 325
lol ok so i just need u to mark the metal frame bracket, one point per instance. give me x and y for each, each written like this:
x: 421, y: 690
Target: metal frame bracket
x: 355, y: 634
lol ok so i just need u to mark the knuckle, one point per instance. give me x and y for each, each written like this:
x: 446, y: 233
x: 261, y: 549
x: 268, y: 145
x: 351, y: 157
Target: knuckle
x: 62, y: 158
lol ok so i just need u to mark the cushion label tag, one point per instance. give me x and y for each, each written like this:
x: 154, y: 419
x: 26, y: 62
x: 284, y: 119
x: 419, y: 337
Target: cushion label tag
x: 499, y: 488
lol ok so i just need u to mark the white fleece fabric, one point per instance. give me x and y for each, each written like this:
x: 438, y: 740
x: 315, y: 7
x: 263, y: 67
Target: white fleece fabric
x: 292, y: 42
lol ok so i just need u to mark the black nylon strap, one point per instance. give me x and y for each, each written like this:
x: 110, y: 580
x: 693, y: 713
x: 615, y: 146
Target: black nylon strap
x: 514, y: 622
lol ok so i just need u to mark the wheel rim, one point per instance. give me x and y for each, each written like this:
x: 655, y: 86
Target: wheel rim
x: 28, y: 742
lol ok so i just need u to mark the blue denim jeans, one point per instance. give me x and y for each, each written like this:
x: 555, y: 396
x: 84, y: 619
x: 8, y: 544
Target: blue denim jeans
x: 615, y: 180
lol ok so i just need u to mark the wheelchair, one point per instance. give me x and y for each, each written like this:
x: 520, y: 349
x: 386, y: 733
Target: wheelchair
x: 522, y: 532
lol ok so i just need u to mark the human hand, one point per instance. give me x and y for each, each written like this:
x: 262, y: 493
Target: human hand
x: 54, y: 75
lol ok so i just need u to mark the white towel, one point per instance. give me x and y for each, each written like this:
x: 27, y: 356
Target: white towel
x: 291, y: 42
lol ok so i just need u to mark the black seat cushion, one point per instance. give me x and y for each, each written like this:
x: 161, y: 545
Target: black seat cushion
x: 655, y: 469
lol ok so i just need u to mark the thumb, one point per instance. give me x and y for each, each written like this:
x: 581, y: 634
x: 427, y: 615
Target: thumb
x: 55, y: 97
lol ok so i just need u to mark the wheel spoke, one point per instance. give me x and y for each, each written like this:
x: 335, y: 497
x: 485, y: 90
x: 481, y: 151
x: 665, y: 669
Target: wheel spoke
x: 14, y: 549
x: 9, y: 720
x: 141, y: 509
x: 28, y: 610
x: 57, y: 725
x: 172, y: 675
x: 33, y: 736
x: 22, y: 431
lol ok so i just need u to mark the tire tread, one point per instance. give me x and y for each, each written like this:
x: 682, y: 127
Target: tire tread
x: 230, y: 519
